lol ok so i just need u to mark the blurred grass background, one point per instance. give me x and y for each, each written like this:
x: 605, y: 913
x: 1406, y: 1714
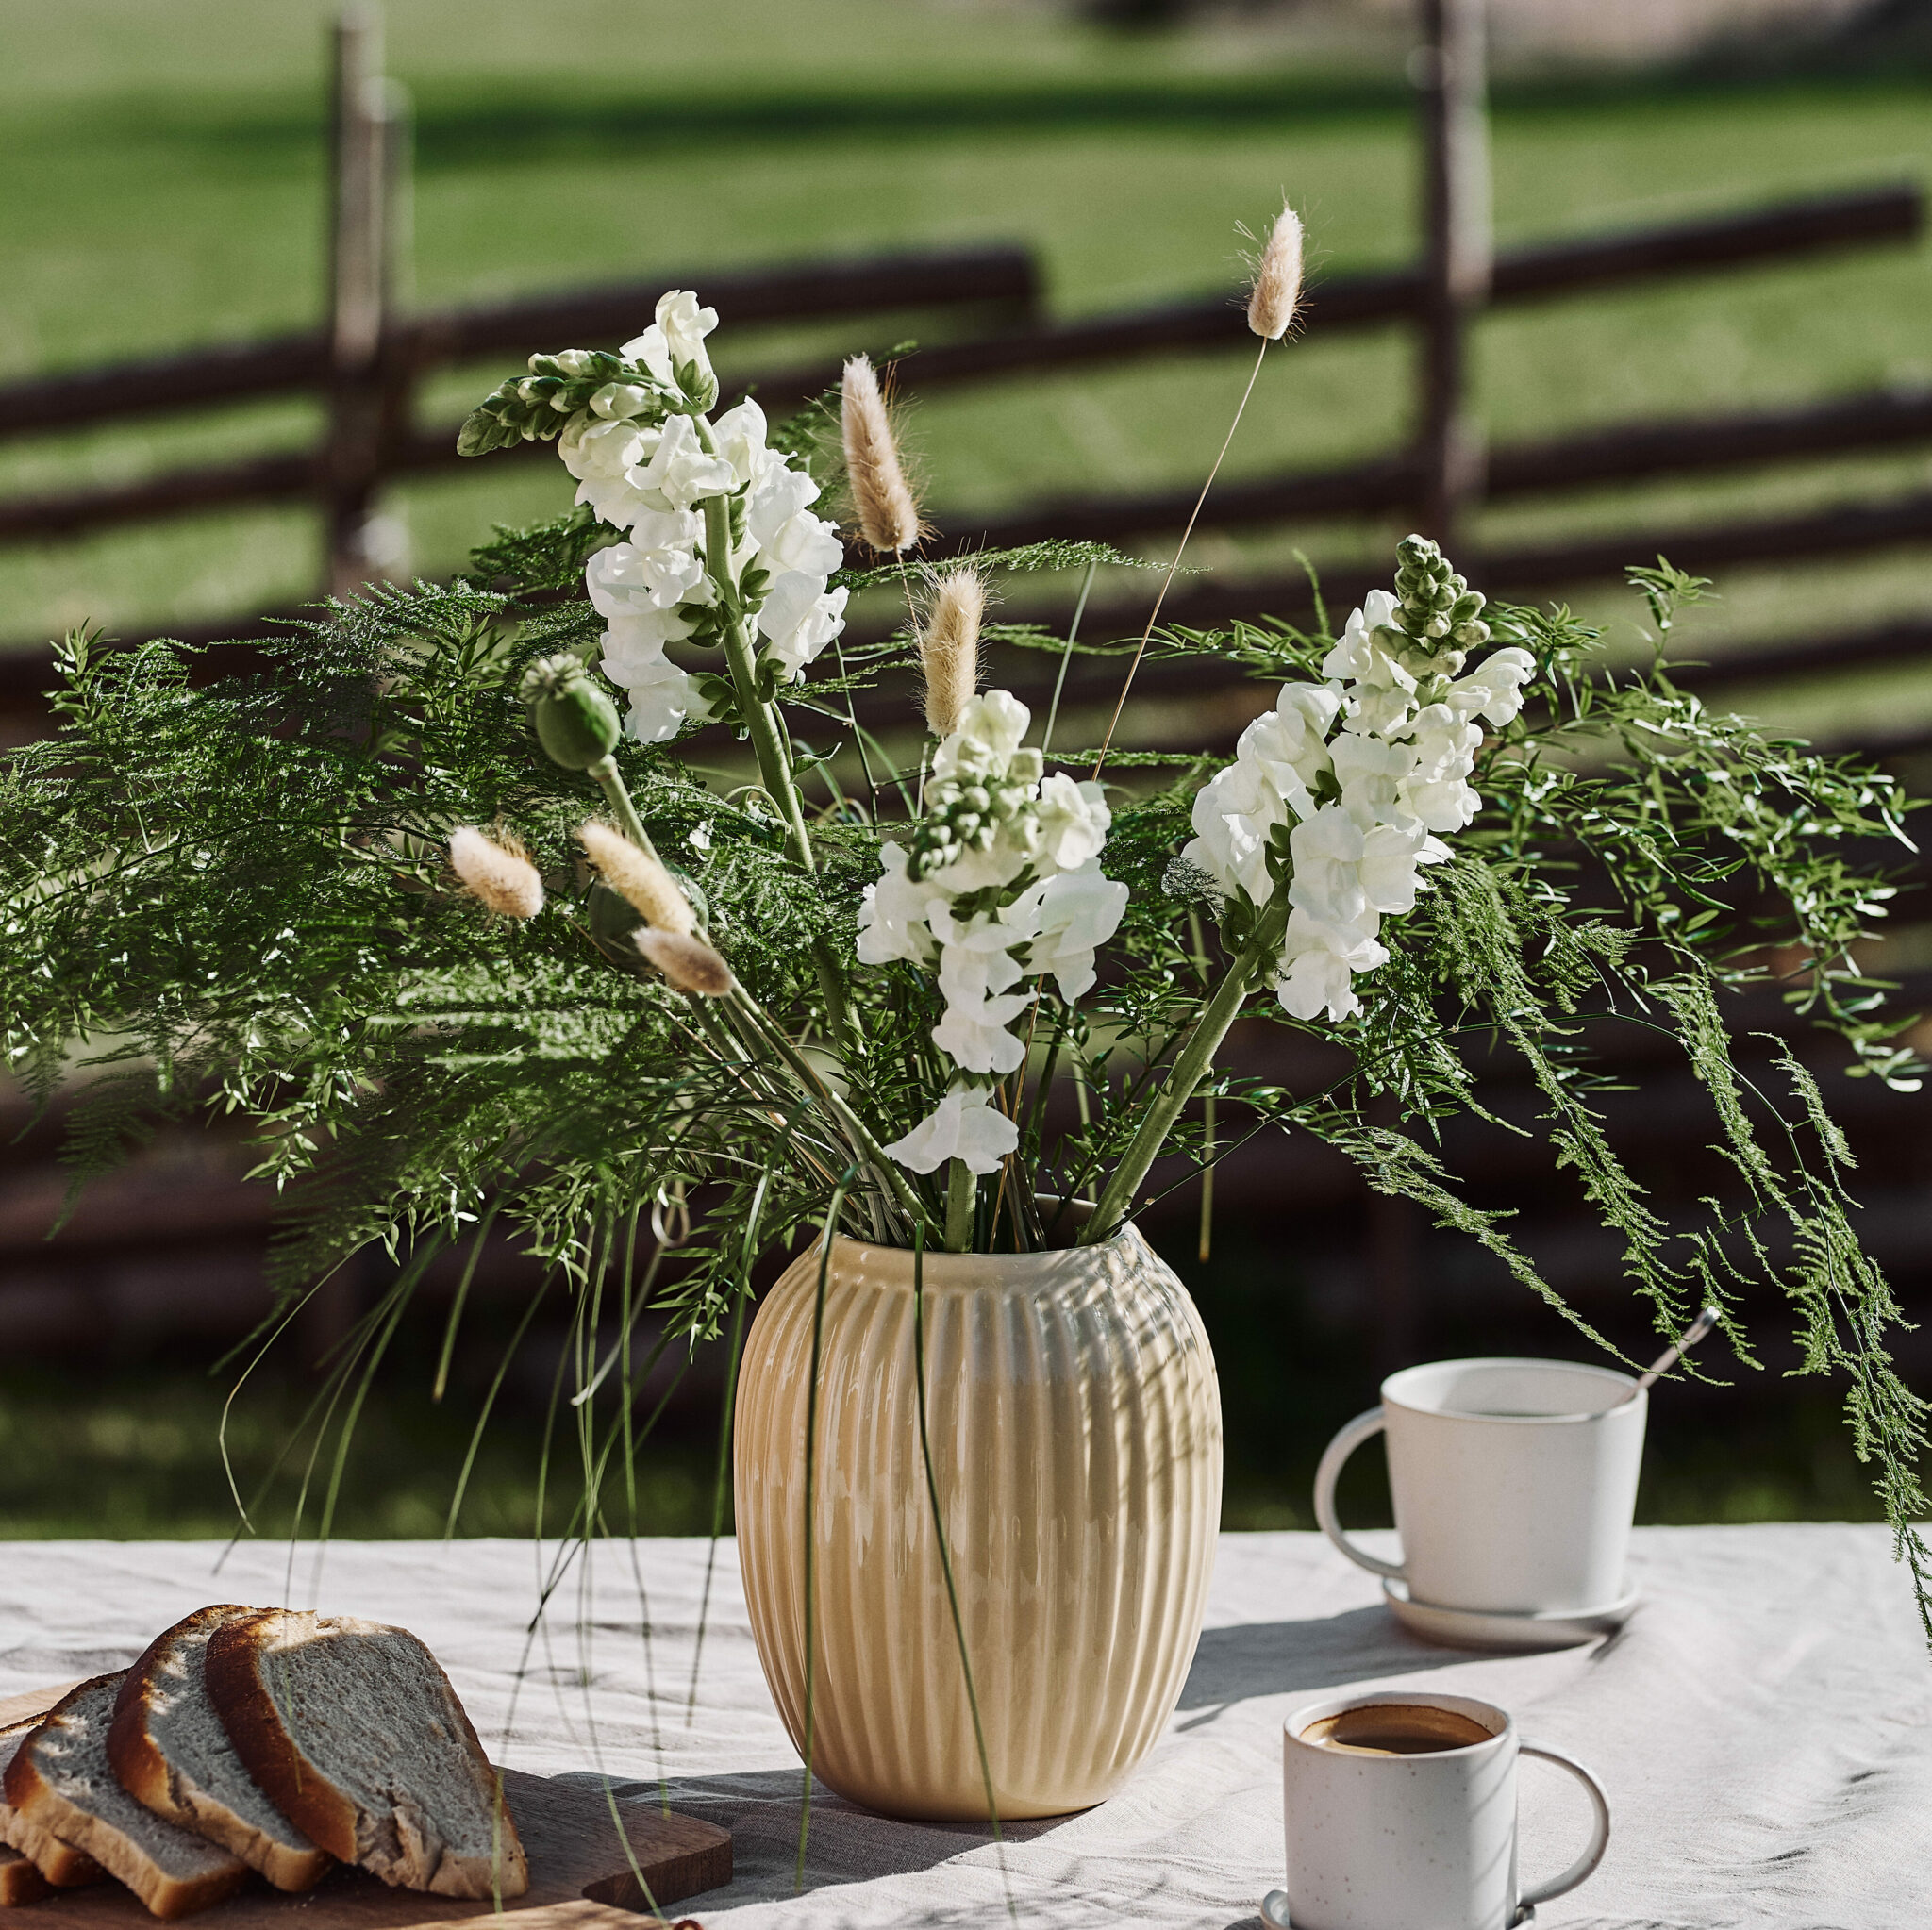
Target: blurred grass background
x: 165, y: 188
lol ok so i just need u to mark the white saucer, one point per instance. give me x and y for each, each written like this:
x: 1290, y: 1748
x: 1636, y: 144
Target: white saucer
x: 1526, y: 1913
x: 1479, y: 1628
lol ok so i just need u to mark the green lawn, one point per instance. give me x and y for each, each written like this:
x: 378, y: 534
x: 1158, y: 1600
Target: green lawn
x: 165, y: 175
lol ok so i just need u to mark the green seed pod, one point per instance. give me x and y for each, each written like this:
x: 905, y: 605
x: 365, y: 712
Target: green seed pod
x: 574, y: 722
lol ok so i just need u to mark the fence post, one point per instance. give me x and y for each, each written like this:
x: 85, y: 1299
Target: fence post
x: 1448, y: 72
x: 359, y: 299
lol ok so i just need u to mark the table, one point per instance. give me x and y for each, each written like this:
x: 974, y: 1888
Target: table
x: 1763, y: 1725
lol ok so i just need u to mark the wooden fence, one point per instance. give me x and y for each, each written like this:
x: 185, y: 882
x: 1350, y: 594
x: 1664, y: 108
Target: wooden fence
x: 367, y: 370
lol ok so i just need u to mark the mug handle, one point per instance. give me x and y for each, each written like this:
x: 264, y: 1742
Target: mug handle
x: 1336, y: 1451
x: 1600, y: 1831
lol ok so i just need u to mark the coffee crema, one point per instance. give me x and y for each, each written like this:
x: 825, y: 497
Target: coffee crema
x: 1395, y: 1728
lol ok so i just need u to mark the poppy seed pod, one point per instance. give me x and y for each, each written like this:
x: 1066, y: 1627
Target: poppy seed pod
x: 574, y: 722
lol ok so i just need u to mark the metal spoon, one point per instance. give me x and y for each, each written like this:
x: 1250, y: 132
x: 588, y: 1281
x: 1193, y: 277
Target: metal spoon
x: 1671, y: 1356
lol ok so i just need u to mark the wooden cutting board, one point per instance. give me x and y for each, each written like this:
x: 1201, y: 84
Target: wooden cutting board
x: 580, y: 1878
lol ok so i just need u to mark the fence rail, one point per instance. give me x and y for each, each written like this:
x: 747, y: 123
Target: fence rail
x: 1000, y: 278
x: 991, y: 280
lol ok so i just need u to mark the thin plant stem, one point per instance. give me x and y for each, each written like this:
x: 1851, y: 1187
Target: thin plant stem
x: 811, y: 1431
x: 1059, y: 683
x: 1167, y: 581
x: 938, y: 1533
x: 456, y: 1306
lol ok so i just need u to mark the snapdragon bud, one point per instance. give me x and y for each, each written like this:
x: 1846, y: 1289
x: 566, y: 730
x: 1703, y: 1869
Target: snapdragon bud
x: 574, y: 722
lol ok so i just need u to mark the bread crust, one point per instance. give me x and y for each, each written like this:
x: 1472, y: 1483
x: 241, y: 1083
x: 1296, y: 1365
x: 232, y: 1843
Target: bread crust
x: 55, y: 1862
x: 255, y: 1726
x: 42, y: 1807
x: 143, y: 1771
x: 305, y: 1793
x: 20, y: 1881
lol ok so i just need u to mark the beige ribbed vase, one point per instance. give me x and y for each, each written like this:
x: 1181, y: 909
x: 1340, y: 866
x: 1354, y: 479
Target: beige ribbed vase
x: 1075, y: 1431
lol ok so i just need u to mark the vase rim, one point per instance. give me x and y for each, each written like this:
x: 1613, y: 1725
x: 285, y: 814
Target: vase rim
x: 941, y: 1270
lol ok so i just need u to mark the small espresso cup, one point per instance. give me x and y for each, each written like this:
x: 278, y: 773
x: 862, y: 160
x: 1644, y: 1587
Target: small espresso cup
x: 1514, y: 1482
x: 1400, y: 1814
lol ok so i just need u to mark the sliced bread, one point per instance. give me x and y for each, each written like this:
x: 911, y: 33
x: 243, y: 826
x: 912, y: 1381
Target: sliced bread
x: 60, y: 1782
x: 356, y: 1735
x: 46, y: 1856
x: 20, y: 1881
x: 172, y: 1755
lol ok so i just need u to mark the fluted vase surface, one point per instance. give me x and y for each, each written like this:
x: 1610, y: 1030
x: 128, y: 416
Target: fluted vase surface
x: 1074, y: 1424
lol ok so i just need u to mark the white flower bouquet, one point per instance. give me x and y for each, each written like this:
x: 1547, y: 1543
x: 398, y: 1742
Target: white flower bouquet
x: 930, y: 998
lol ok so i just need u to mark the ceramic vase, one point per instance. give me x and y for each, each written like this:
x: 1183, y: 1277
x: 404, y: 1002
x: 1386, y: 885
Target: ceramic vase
x: 1074, y: 1428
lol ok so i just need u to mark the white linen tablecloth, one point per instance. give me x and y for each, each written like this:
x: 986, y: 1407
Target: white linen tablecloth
x: 1763, y: 1725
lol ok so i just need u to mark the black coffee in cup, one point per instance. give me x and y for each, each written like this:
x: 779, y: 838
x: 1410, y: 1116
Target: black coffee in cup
x: 1396, y: 1728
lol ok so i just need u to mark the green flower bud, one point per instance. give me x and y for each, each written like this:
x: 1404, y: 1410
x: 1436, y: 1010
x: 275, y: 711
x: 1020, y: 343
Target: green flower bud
x: 574, y: 722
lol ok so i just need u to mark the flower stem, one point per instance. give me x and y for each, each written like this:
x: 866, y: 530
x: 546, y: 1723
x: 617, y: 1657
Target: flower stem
x: 1190, y: 1069
x: 766, y: 1029
x: 1167, y: 581
x: 960, y: 1192
x: 775, y: 758
x: 617, y: 795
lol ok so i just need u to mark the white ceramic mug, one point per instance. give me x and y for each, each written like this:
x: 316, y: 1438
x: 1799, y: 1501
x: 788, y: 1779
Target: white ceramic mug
x: 1514, y: 1482
x: 1411, y: 1842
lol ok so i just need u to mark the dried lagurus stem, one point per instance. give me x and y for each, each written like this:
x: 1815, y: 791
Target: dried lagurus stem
x: 1277, y: 278
x: 949, y: 647
x: 688, y: 962
x: 883, y: 499
x: 496, y: 872
x: 638, y: 878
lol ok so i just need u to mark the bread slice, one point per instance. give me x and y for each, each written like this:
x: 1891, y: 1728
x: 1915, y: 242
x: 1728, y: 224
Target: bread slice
x: 168, y: 1750
x: 20, y: 1881
x: 58, y: 1781
x: 358, y: 1738
x: 47, y: 1857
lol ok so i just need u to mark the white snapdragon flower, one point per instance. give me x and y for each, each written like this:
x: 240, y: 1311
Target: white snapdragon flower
x: 1370, y: 770
x: 894, y: 918
x: 658, y: 569
x: 601, y: 455
x: 1286, y: 744
x: 663, y: 699
x: 799, y: 618
x: 1494, y: 688
x: 634, y: 642
x: 788, y: 535
x: 1071, y: 916
x: 1327, y: 883
x: 965, y: 1126
x: 680, y: 473
x: 1233, y: 814
x: 676, y: 335
x: 1043, y: 838
x: 1390, y: 856
x: 1318, y: 966
x: 986, y: 740
x: 977, y: 1037
x: 1399, y: 772
x: 739, y: 434
x: 1073, y: 820
x: 976, y: 958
